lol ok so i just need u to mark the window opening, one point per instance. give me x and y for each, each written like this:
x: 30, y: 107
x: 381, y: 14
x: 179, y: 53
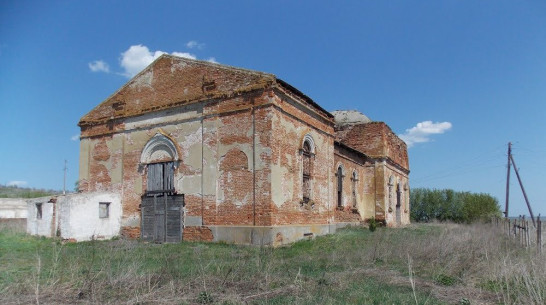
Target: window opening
x: 160, y: 177
x: 339, y: 187
x: 104, y: 209
x: 306, y: 177
x: 39, y: 211
x: 398, y: 205
x: 354, y: 180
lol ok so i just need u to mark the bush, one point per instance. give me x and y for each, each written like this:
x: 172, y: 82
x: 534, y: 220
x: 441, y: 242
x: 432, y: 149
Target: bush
x: 372, y: 225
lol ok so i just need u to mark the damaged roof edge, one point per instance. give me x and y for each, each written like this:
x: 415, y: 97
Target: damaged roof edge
x: 218, y: 65
x: 83, y: 120
x: 305, y: 97
x: 349, y: 148
x: 86, y: 120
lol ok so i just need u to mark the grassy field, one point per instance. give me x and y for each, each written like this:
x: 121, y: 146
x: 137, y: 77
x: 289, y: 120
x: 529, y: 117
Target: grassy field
x: 419, y: 264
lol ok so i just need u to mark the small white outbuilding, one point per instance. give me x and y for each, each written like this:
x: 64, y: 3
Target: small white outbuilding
x: 77, y: 217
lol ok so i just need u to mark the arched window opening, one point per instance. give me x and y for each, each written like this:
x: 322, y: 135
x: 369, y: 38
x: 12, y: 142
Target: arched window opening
x: 398, y: 205
x: 339, y: 187
x: 406, y: 198
x: 354, y: 179
x: 159, y: 157
x: 391, y: 184
x: 307, y: 168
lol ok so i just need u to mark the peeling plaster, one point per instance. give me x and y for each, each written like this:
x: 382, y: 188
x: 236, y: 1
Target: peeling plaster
x: 143, y: 80
x: 205, y: 129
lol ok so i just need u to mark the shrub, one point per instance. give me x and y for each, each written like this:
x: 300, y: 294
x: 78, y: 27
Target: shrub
x: 372, y: 225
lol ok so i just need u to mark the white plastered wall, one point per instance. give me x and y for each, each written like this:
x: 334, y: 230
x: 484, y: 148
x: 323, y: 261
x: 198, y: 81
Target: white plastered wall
x: 76, y: 216
x: 40, y: 226
x: 79, y: 216
x: 13, y: 208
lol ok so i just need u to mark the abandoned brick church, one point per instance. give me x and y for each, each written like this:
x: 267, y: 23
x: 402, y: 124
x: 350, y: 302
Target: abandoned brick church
x: 203, y: 151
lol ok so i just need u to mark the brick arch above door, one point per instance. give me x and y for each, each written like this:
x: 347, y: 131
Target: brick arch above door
x: 159, y: 148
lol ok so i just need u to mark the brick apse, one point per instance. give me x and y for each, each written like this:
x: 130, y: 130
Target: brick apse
x: 203, y: 151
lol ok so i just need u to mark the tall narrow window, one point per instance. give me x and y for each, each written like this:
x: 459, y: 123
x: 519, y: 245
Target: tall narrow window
x: 398, y: 205
x: 39, y: 211
x: 339, y: 187
x: 306, y: 177
x: 354, y: 179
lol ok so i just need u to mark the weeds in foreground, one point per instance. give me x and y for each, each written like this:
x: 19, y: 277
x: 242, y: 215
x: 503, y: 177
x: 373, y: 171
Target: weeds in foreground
x: 466, y: 264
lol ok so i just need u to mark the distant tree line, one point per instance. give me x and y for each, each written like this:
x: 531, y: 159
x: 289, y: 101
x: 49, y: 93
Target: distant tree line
x: 13, y: 191
x: 442, y: 205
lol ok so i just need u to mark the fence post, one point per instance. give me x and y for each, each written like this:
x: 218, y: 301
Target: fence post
x: 518, y: 225
x: 515, y: 233
x: 527, y: 236
x: 521, y: 232
x: 539, y: 235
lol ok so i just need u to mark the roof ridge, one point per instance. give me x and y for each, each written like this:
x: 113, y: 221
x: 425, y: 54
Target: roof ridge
x: 179, y: 58
x: 208, y: 63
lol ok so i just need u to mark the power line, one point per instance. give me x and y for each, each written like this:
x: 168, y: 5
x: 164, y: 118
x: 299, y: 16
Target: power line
x: 477, y: 163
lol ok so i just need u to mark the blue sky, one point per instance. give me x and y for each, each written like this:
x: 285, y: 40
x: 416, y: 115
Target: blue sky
x: 457, y: 79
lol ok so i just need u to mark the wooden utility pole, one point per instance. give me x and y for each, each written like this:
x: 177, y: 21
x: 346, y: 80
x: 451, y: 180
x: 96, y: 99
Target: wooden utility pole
x: 523, y: 190
x: 508, y: 180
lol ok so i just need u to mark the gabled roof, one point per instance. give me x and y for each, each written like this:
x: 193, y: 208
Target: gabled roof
x: 172, y: 81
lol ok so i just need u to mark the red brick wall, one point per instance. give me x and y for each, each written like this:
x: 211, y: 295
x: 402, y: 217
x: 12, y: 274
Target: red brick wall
x: 353, y: 206
x: 171, y: 82
x: 228, y: 144
x: 375, y: 139
x: 130, y: 232
x: 197, y: 234
x: 291, y: 123
x: 240, y: 160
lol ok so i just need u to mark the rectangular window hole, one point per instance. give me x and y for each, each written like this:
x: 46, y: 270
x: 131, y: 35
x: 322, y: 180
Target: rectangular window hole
x: 104, y: 209
x: 39, y: 211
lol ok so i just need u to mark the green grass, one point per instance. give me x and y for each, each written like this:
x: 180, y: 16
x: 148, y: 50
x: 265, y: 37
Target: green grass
x: 354, y: 266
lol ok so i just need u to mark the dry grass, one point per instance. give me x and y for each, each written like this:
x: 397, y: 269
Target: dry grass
x: 420, y: 264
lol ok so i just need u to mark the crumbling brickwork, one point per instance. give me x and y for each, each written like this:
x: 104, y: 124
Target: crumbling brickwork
x: 389, y: 157
x: 236, y: 140
x: 198, y: 234
x: 358, y: 190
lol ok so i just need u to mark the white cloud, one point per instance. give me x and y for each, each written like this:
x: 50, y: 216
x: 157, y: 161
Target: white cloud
x: 184, y: 54
x: 195, y: 44
x: 422, y: 131
x: 138, y: 57
x: 99, y: 66
x: 75, y: 137
x: 17, y: 183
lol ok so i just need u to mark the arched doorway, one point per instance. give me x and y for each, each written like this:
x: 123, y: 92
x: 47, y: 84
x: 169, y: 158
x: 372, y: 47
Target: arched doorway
x: 161, y: 206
